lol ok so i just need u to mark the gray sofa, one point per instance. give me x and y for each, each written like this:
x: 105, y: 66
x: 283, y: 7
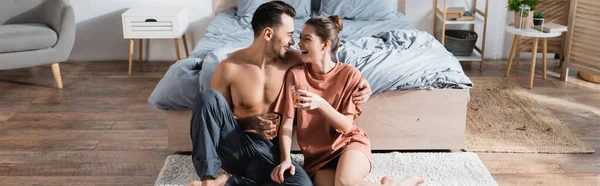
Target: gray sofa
x: 36, y: 32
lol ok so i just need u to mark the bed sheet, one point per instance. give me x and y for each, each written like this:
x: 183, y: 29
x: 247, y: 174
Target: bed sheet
x: 391, y: 55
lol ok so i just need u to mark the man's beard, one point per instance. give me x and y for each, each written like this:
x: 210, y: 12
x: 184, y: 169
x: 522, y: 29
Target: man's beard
x: 278, y: 54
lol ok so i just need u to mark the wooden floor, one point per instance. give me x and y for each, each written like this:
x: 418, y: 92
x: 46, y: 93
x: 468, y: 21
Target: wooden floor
x: 576, y: 104
x: 99, y: 130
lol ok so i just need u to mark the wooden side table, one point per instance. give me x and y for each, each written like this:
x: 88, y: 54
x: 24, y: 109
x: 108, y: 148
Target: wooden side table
x: 536, y: 34
x: 168, y: 22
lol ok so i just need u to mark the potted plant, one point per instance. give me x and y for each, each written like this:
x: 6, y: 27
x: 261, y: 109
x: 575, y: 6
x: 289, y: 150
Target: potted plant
x: 538, y: 18
x: 514, y: 5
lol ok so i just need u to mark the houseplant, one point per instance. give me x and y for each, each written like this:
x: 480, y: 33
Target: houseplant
x: 513, y: 5
x: 538, y: 18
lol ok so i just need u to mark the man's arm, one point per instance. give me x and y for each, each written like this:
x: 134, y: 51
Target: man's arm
x: 293, y: 57
x: 221, y: 80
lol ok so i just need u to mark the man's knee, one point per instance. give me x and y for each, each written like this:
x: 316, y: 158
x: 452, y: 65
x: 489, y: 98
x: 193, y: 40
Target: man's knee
x: 305, y: 181
x: 301, y: 177
x: 298, y: 180
x: 204, y: 102
x: 207, y: 97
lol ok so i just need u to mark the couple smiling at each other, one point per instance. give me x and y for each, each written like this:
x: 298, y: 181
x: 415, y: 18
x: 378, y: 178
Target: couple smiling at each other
x: 228, y: 131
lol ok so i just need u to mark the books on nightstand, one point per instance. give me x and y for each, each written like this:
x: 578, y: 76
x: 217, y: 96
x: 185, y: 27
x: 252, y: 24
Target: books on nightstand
x: 552, y: 27
x: 454, y: 12
x: 458, y: 14
x: 466, y: 18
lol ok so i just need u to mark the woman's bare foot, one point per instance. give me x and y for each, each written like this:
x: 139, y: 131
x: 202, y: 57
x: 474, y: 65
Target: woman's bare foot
x: 408, y: 181
x: 220, y: 181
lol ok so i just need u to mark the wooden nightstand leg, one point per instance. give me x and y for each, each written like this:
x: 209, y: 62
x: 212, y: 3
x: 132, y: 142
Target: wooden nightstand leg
x: 533, y: 56
x: 545, y: 52
x: 187, y: 54
x: 518, y: 53
x: 177, y: 48
x: 511, y: 55
x: 131, y: 41
x: 141, y: 49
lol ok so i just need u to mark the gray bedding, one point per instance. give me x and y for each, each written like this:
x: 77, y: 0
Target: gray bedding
x: 391, y: 55
x: 402, y: 60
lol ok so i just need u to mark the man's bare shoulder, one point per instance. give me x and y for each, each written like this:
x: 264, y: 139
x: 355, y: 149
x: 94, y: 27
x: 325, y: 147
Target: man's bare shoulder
x: 232, y: 62
x: 227, y: 66
x: 238, y: 56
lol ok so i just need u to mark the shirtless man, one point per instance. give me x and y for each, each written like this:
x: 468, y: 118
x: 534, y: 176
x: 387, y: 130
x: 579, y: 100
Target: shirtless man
x: 244, y: 85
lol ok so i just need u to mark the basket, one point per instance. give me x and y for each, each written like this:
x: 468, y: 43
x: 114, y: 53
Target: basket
x: 457, y: 45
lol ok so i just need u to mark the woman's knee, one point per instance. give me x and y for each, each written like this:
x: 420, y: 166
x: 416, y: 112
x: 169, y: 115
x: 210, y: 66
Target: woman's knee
x: 347, y: 181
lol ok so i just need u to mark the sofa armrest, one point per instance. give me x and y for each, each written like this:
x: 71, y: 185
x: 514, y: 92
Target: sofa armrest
x: 48, y: 12
x: 57, y: 14
x: 66, y: 32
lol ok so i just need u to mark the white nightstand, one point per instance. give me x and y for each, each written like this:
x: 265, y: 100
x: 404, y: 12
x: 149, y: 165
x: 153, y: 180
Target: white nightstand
x: 530, y: 33
x: 168, y: 22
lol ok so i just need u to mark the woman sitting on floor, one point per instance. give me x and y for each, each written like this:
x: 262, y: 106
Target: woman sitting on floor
x: 318, y: 94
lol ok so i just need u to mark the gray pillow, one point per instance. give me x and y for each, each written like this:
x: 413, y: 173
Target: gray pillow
x: 178, y: 88
x: 364, y: 10
x: 302, y: 7
x: 246, y: 8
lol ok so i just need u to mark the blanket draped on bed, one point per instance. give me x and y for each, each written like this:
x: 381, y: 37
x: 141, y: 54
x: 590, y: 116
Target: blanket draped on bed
x: 390, y: 54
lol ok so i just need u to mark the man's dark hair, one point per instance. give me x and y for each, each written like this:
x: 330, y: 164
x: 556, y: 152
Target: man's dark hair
x: 269, y: 15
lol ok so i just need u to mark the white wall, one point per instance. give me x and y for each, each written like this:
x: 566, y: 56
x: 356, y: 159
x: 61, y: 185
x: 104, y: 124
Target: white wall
x: 99, y: 34
x: 498, y: 42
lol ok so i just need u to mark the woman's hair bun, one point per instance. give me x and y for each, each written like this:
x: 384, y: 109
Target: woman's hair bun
x: 337, y: 22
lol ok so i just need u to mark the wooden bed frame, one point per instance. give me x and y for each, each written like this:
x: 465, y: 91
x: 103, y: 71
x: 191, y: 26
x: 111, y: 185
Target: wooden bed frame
x: 397, y: 120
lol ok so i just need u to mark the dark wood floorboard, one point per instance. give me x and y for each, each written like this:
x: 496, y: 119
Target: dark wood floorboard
x: 99, y: 129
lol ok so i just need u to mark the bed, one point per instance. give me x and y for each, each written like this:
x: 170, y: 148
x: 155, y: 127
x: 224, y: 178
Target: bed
x: 422, y: 106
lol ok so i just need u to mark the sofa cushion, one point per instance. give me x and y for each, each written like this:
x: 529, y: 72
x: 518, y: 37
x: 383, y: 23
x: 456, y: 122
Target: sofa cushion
x: 24, y: 37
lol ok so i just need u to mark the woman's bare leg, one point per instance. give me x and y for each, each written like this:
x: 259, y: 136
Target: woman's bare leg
x: 354, y: 166
x: 325, y: 177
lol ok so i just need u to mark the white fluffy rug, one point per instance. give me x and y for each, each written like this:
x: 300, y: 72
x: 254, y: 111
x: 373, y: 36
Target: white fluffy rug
x: 436, y: 168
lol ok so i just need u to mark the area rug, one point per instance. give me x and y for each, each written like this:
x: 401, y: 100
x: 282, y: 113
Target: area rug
x: 502, y: 117
x: 436, y: 168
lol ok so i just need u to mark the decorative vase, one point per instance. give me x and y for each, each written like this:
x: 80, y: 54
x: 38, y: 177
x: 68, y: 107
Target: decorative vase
x: 528, y: 24
x: 538, y: 21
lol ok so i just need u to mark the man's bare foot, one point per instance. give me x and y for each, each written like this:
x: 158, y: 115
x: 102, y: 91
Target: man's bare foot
x: 408, y: 181
x: 220, y: 181
x: 195, y: 183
